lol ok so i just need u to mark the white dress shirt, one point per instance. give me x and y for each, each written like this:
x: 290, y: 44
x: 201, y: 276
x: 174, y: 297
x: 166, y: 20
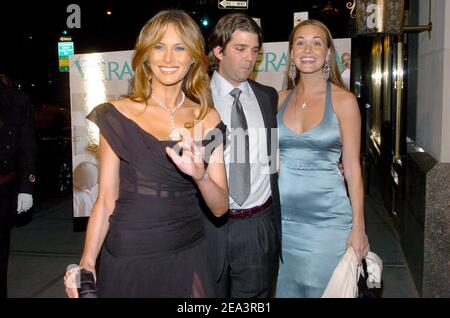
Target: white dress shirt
x: 259, y: 167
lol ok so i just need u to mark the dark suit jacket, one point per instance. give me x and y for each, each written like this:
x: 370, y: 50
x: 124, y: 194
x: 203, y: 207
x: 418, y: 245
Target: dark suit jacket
x: 268, y: 101
x: 17, y: 138
x: 216, y: 232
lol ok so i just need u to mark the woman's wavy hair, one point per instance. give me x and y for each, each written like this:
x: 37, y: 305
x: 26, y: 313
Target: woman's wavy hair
x: 335, y: 75
x: 196, y: 83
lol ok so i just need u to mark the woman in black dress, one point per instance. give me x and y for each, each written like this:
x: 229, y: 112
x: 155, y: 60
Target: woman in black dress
x: 147, y: 222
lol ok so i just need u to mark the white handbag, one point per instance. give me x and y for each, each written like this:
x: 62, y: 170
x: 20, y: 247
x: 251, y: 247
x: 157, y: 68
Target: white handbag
x: 344, y: 280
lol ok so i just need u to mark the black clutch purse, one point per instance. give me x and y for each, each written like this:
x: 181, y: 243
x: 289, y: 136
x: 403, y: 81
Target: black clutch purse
x: 88, y: 287
x: 367, y: 289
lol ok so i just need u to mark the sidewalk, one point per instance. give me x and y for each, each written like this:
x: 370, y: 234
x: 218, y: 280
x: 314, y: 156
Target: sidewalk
x: 41, y: 250
x: 384, y: 241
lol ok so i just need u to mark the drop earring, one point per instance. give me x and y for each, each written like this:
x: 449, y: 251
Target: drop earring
x: 292, y: 71
x: 326, y: 71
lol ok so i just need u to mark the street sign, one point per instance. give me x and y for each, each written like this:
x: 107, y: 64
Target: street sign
x: 300, y: 16
x: 65, y: 49
x: 63, y: 63
x: 225, y: 4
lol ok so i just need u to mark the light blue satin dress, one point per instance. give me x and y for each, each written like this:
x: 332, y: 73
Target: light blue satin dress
x: 315, y: 209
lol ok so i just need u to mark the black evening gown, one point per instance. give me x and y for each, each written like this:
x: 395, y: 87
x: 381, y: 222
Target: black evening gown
x: 155, y: 246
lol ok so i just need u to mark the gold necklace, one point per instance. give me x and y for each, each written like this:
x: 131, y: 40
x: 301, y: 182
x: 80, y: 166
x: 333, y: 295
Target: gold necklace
x: 302, y: 106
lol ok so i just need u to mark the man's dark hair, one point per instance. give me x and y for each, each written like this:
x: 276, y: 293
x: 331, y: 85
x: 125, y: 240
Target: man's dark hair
x: 224, y: 29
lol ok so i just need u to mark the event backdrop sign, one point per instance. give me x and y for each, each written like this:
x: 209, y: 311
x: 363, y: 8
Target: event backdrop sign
x: 98, y: 77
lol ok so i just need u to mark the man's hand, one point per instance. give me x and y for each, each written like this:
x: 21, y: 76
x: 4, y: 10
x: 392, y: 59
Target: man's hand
x: 24, y: 202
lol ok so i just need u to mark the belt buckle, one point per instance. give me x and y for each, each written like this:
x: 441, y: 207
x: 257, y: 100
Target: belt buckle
x: 239, y: 214
x: 246, y: 213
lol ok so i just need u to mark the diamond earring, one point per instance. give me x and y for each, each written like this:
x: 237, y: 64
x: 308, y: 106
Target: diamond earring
x: 292, y: 71
x: 326, y: 71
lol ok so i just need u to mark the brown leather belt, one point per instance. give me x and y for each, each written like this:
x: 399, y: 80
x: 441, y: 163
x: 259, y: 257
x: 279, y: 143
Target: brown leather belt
x: 7, y: 177
x: 244, y: 213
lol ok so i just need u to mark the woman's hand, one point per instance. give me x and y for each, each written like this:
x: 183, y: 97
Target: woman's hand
x: 72, y: 279
x: 359, y: 242
x: 191, y: 161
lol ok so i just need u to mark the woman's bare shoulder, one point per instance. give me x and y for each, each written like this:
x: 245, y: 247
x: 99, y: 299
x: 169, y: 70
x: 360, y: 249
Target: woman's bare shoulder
x: 344, y: 101
x: 127, y: 106
x: 282, y: 95
x: 342, y: 97
x: 212, y: 118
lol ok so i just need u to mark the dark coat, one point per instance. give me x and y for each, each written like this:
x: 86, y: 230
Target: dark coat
x: 17, y: 138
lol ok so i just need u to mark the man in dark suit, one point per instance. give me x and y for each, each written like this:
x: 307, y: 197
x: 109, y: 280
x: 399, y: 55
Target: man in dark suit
x: 17, y: 167
x: 245, y: 244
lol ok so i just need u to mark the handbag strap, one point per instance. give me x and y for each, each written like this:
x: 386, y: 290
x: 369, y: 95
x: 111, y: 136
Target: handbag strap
x: 364, y: 267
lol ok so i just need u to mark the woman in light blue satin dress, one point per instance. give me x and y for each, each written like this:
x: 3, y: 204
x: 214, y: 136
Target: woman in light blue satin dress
x: 319, y: 123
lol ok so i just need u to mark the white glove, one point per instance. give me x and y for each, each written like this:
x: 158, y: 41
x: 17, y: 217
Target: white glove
x: 24, y: 202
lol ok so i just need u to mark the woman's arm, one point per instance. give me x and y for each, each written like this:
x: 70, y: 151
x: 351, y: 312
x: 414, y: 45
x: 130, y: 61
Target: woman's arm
x: 349, y: 117
x: 213, y: 184
x: 98, y: 222
x: 108, y: 192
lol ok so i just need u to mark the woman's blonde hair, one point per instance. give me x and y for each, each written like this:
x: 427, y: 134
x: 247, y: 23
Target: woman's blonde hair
x: 196, y: 83
x: 335, y: 75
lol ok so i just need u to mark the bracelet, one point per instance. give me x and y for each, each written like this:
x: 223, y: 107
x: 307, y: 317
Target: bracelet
x: 203, y: 178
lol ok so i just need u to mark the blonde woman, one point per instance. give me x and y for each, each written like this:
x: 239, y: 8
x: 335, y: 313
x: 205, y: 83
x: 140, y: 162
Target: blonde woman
x: 147, y: 221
